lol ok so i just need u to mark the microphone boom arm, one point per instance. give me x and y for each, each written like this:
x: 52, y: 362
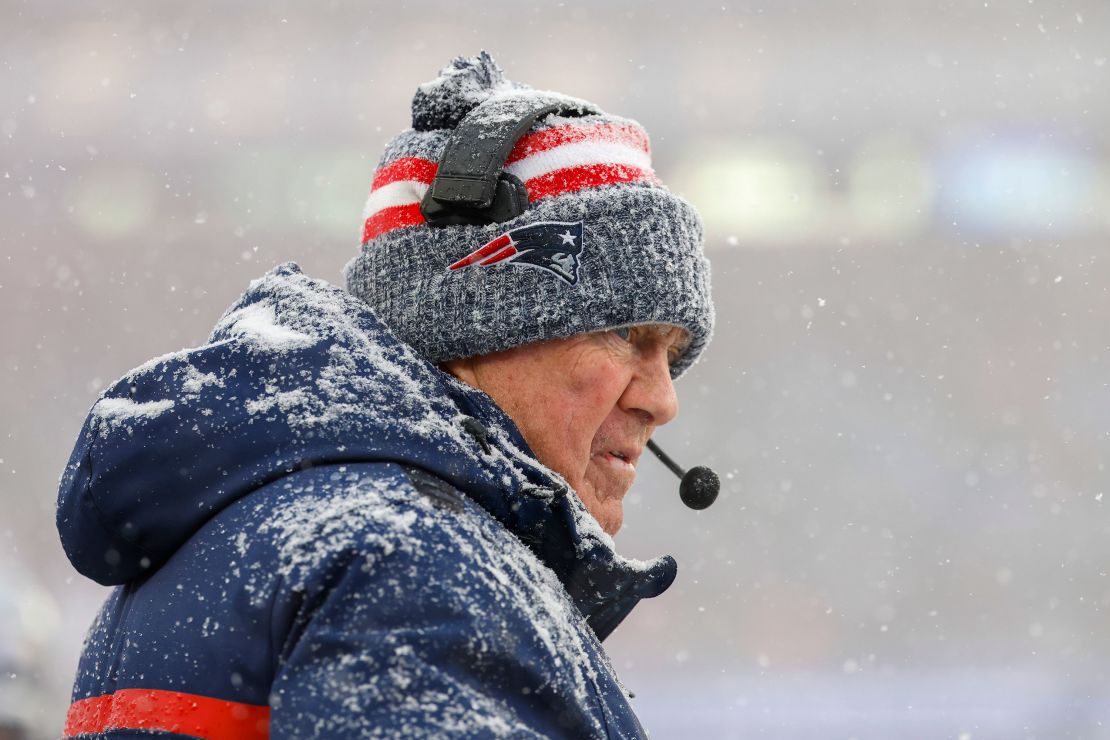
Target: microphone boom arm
x: 665, y: 459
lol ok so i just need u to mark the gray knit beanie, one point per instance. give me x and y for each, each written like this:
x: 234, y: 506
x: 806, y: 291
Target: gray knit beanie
x: 600, y: 242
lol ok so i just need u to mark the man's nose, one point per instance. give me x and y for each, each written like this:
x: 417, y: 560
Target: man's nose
x: 651, y: 390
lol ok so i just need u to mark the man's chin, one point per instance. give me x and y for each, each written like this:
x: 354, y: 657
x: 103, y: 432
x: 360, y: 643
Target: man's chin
x: 609, y: 515
x: 609, y: 523
x: 614, y: 527
x: 603, y: 490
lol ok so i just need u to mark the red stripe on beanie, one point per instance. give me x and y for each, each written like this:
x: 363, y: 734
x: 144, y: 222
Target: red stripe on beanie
x: 388, y: 219
x: 586, y: 176
x: 569, y: 179
x: 168, y: 711
x: 541, y: 141
x: 405, y: 168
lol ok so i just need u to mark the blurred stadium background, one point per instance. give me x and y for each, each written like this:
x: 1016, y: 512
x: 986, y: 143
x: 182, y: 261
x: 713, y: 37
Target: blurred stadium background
x: 907, y: 208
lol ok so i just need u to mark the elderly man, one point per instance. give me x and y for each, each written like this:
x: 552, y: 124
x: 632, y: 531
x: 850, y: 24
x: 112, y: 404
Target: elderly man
x: 386, y: 511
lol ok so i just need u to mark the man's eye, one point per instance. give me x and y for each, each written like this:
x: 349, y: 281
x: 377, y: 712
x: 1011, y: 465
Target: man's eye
x: 624, y: 333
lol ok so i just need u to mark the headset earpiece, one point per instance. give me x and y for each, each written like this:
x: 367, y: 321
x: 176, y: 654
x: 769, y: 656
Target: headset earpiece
x: 469, y: 186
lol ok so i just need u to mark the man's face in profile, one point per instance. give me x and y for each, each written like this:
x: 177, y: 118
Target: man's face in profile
x: 586, y: 404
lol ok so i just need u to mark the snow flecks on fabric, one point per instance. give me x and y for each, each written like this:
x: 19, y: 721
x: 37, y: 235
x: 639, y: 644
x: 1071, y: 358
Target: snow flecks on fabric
x: 494, y: 585
x: 125, y: 408
x: 114, y: 413
x: 547, y: 607
x: 311, y: 528
x: 158, y: 362
x: 522, y: 585
x: 388, y: 699
x: 345, y: 384
x: 287, y: 402
x: 258, y: 324
x: 241, y: 543
x: 193, y: 381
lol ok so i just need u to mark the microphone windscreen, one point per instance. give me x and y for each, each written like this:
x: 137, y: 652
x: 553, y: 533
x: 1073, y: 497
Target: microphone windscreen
x: 699, y: 487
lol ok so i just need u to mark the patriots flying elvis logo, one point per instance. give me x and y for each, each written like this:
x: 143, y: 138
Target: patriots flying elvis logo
x: 549, y: 245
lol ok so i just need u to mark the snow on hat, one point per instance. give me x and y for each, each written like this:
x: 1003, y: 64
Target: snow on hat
x: 600, y: 242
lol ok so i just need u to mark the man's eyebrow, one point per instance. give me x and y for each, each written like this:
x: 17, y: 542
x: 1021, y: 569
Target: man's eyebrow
x: 682, y: 337
x: 679, y: 339
x: 679, y: 348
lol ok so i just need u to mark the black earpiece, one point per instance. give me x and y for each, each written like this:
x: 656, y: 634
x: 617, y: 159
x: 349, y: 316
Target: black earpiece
x: 469, y: 186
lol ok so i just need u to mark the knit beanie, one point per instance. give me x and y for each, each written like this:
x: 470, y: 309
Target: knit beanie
x: 599, y: 243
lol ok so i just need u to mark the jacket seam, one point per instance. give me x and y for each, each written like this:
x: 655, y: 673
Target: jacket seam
x: 101, y: 518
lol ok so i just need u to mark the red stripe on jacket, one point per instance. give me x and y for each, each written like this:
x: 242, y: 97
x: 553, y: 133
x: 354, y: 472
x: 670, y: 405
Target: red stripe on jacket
x: 168, y: 711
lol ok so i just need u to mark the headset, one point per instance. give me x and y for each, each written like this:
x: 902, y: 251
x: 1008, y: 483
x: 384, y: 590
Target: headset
x: 471, y: 188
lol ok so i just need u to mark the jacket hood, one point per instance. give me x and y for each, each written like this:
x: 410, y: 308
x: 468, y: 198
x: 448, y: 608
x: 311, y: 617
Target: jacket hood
x: 299, y: 373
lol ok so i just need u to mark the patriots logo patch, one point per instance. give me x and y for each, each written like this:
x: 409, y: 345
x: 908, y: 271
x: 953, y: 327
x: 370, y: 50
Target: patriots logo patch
x: 549, y: 245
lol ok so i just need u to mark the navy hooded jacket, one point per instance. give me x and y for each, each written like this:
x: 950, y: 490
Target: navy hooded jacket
x: 315, y: 533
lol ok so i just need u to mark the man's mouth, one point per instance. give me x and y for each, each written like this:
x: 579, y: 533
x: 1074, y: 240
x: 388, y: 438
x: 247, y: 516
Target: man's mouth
x: 621, y: 459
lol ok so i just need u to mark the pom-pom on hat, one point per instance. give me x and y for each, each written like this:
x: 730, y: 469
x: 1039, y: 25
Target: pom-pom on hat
x: 590, y: 240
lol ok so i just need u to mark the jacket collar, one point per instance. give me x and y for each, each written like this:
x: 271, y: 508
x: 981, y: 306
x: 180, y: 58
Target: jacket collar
x: 548, y: 517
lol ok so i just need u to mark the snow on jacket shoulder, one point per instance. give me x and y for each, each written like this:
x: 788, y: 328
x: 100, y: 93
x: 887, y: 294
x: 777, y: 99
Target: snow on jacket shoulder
x: 315, y: 533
